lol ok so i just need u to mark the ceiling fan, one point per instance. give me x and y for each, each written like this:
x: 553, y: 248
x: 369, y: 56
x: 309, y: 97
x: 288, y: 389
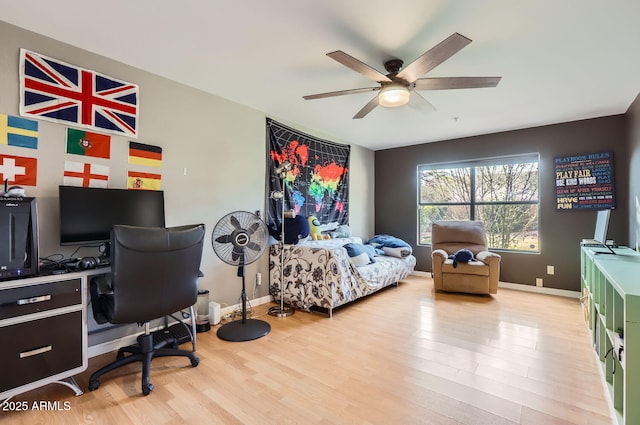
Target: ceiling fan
x: 399, y: 86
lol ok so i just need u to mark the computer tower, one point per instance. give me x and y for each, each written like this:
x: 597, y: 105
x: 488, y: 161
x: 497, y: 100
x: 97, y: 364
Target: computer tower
x: 18, y: 237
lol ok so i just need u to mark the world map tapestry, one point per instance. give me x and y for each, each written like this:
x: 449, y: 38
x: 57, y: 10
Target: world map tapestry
x: 318, y: 182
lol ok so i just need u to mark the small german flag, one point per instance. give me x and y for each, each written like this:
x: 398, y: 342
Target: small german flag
x: 142, y: 154
x: 143, y: 181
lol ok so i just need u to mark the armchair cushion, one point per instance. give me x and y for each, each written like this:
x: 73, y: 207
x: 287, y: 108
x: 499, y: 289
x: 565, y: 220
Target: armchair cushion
x: 452, y: 236
x: 474, y: 267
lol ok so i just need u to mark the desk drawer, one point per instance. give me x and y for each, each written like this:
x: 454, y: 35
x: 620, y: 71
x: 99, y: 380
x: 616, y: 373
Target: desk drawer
x: 41, y: 348
x: 34, y: 298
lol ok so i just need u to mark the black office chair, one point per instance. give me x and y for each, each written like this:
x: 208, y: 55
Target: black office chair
x: 154, y: 273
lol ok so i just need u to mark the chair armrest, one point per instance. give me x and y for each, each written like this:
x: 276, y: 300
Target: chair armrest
x: 492, y: 260
x: 488, y: 257
x: 440, y: 255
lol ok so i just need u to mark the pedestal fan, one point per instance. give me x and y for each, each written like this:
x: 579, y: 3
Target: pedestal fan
x: 238, y: 239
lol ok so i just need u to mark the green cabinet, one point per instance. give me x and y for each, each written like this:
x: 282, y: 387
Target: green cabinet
x: 611, y: 298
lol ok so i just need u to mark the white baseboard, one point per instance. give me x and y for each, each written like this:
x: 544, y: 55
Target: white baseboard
x: 540, y: 289
x: 254, y: 302
x: 109, y: 346
x: 113, y: 345
x: 523, y: 287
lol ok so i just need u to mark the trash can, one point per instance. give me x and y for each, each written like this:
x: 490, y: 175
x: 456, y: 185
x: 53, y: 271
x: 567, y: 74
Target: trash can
x: 202, y: 311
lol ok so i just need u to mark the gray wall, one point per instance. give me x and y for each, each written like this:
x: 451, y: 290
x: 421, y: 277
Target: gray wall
x: 221, y: 144
x: 560, y: 231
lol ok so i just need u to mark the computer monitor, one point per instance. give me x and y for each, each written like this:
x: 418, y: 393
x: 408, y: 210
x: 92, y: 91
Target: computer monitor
x: 87, y: 215
x: 602, y: 226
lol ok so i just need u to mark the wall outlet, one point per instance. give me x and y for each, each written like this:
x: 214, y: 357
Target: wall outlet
x: 551, y: 270
x: 258, y: 279
x: 538, y: 281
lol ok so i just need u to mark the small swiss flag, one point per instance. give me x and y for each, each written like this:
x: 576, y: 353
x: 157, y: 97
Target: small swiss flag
x: 19, y: 170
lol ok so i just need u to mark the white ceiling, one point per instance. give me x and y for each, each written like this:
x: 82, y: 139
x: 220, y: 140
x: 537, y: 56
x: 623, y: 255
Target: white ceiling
x: 559, y: 60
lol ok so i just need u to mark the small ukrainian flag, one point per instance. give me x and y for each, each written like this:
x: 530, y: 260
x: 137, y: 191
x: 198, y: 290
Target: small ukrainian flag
x: 16, y: 131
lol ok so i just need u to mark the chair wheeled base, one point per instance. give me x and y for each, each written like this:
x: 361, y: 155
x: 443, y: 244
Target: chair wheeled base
x: 144, y: 351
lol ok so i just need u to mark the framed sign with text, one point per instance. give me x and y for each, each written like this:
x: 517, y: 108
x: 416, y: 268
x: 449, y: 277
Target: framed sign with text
x: 585, y: 181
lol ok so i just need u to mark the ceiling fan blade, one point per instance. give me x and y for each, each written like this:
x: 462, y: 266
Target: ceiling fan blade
x: 340, y: 93
x: 434, y: 57
x: 367, y: 108
x: 447, y: 83
x: 358, y: 66
x: 419, y: 103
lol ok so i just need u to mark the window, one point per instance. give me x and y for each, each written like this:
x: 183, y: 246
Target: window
x: 501, y: 192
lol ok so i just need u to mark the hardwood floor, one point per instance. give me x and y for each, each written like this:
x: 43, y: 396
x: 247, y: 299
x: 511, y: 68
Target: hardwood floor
x: 405, y: 355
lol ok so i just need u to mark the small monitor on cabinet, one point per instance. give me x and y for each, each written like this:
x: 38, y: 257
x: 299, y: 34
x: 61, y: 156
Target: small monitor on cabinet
x: 600, y: 233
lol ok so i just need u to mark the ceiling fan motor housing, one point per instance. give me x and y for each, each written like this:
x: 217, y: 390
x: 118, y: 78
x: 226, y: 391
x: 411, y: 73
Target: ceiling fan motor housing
x: 393, y: 66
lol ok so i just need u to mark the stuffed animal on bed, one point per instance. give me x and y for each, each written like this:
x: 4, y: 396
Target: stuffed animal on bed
x: 314, y: 228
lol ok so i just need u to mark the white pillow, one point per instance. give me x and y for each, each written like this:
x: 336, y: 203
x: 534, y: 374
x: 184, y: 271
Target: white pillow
x: 400, y: 252
x: 360, y: 260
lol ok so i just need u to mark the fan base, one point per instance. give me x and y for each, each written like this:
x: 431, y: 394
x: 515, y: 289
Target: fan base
x: 237, y: 331
x: 281, y: 312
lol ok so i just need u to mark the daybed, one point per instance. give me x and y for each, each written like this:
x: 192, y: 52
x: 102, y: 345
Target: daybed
x: 320, y: 273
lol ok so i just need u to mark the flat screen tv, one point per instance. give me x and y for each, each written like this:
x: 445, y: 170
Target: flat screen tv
x: 87, y: 215
x: 600, y: 233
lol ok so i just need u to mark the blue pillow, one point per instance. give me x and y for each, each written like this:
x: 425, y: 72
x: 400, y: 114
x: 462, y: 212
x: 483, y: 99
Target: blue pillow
x: 371, y: 251
x: 388, y: 241
x: 356, y: 250
x: 391, y: 245
x: 295, y: 229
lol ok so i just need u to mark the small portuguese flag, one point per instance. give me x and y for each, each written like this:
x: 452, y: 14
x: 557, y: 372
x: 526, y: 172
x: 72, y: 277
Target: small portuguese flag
x: 85, y: 143
x: 142, y: 154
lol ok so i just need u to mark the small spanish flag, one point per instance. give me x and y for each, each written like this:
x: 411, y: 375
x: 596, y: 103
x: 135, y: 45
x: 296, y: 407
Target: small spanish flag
x: 142, y: 154
x: 143, y: 181
x: 80, y: 142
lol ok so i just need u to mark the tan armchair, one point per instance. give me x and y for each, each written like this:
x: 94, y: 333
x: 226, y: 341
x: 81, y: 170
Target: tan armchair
x: 479, y: 276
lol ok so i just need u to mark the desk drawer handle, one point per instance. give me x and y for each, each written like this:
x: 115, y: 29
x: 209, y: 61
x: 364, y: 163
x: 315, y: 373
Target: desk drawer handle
x: 37, y: 351
x: 34, y: 300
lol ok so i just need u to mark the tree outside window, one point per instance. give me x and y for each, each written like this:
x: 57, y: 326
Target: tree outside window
x: 501, y: 192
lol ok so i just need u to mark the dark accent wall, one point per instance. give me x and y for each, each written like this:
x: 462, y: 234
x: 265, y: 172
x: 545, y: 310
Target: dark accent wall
x: 560, y: 231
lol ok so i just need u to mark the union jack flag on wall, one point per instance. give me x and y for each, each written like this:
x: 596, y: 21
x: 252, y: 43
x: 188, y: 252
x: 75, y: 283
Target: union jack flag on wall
x: 56, y: 91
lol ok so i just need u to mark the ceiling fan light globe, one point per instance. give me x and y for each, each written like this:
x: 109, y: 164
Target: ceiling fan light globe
x: 393, y: 95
